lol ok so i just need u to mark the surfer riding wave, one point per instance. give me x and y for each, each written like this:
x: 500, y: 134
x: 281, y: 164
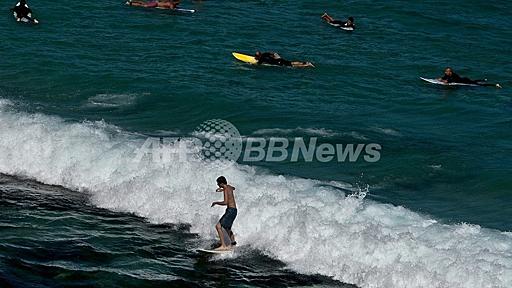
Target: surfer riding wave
x: 226, y: 221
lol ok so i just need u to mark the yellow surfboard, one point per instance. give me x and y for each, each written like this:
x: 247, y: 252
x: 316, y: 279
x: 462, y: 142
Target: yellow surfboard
x: 245, y: 58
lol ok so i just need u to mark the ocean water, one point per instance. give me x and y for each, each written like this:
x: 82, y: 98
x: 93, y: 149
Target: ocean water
x: 80, y: 92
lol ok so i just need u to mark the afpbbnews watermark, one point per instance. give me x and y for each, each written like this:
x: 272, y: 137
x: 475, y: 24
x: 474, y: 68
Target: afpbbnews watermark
x: 282, y: 149
x: 218, y: 140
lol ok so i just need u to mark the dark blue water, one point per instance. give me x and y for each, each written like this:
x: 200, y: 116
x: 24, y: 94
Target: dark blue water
x: 79, y: 92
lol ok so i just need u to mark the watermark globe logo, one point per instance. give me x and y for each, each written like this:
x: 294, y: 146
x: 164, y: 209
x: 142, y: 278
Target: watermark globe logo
x: 218, y: 141
x: 221, y: 140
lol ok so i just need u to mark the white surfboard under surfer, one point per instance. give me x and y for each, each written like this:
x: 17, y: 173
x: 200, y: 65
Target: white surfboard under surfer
x: 450, y: 78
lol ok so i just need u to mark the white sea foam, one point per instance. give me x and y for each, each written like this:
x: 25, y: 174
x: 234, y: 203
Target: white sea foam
x: 300, y: 131
x: 308, y: 131
x: 387, y: 131
x: 311, y: 226
x: 5, y: 103
x: 113, y: 100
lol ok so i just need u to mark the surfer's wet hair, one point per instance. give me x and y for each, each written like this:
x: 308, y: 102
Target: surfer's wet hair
x: 351, y: 19
x: 222, y: 180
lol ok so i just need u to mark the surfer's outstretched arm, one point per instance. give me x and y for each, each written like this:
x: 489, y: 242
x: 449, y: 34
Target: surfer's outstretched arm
x: 220, y: 203
x: 223, y: 202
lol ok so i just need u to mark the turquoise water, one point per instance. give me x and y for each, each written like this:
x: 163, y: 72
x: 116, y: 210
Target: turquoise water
x: 79, y: 90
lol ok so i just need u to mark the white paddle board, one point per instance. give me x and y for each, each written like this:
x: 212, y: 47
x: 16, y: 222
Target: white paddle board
x: 437, y: 82
x: 179, y: 10
x: 218, y: 252
x: 24, y: 19
x: 342, y: 27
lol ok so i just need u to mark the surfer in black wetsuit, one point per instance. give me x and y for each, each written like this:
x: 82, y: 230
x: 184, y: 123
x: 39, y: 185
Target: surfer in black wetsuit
x: 22, y: 11
x: 272, y: 58
x: 452, y: 77
x: 338, y: 23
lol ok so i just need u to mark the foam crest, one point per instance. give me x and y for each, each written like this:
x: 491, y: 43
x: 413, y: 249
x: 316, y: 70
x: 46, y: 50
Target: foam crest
x: 113, y: 100
x: 312, y: 132
x: 311, y: 226
x: 299, y: 130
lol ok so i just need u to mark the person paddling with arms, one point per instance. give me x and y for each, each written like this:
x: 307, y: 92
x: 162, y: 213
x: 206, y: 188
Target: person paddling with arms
x: 226, y: 221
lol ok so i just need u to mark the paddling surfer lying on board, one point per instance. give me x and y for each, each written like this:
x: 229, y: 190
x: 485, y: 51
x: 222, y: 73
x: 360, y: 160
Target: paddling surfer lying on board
x: 338, y: 23
x: 226, y: 221
x: 164, y: 4
x: 452, y: 77
x: 22, y: 10
x: 272, y: 58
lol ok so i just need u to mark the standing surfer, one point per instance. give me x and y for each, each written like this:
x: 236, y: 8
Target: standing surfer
x: 226, y: 221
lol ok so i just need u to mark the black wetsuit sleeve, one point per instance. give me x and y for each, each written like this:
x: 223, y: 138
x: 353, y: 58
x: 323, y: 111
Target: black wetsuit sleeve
x: 268, y: 58
x: 452, y: 79
x: 263, y: 58
x: 21, y: 11
x: 455, y: 79
x: 338, y: 23
x: 283, y: 62
x: 466, y: 80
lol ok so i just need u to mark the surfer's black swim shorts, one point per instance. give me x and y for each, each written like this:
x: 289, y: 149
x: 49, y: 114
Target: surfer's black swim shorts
x: 228, y: 218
